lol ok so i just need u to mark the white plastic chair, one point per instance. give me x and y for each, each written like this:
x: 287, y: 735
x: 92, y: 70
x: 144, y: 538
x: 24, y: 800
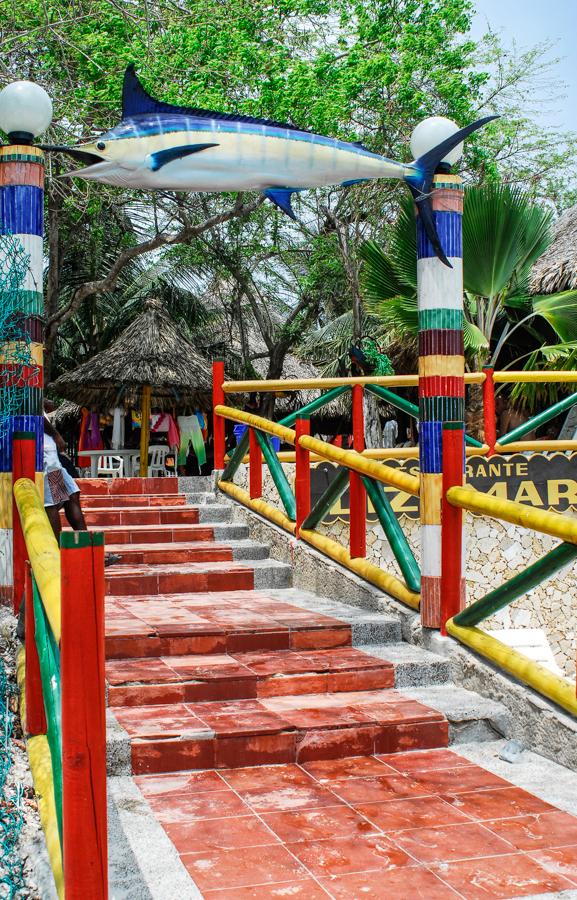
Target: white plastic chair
x: 110, y: 466
x: 156, y: 459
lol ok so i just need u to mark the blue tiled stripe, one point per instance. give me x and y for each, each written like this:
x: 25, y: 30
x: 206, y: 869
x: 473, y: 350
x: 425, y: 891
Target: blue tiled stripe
x: 21, y: 209
x: 431, y: 447
x: 21, y: 423
x: 450, y: 232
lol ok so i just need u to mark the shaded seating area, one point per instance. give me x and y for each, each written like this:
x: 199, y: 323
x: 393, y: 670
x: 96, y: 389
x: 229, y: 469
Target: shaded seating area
x: 150, y: 374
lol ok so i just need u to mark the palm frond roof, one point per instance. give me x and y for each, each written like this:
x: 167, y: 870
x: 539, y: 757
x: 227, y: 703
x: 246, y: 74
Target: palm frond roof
x: 150, y: 351
x: 556, y: 269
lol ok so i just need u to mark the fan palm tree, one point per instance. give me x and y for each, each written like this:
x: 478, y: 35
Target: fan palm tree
x: 504, y: 233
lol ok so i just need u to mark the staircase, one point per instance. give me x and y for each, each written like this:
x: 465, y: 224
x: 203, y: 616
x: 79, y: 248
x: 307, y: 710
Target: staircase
x: 237, y: 702
x: 215, y: 661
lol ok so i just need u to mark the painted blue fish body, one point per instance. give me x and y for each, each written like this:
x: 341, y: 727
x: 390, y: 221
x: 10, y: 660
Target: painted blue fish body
x: 158, y: 146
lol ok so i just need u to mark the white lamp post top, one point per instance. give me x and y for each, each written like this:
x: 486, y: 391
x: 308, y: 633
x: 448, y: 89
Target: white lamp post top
x: 433, y: 131
x: 25, y: 110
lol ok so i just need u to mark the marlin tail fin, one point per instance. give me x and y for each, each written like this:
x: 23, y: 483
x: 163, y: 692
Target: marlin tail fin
x: 421, y: 182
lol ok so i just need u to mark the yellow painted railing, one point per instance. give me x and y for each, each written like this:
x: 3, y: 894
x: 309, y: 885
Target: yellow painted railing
x: 522, y: 514
x: 43, y: 550
x: 322, y: 384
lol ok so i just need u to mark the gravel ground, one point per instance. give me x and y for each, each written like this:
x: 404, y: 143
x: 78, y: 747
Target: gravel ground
x: 18, y: 798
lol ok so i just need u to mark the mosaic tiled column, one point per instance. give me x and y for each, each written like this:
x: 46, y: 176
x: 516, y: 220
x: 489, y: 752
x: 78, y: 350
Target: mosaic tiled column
x: 441, y: 373
x: 21, y: 220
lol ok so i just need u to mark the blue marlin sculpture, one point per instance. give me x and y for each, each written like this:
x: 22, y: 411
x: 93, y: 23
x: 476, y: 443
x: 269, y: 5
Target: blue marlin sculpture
x: 165, y: 147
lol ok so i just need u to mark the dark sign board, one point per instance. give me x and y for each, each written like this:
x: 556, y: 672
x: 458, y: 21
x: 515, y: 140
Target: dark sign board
x: 543, y: 481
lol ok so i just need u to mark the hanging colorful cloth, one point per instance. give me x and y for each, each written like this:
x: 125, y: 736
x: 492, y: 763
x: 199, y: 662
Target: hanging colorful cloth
x: 190, y: 434
x: 90, y: 437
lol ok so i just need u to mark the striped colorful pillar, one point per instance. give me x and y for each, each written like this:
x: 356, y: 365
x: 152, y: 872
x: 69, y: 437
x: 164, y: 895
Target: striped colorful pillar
x: 21, y: 359
x: 441, y: 373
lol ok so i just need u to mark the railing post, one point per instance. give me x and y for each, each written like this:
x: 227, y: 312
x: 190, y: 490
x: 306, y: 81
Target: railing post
x: 255, y: 466
x: 358, y: 498
x: 452, y: 575
x: 83, y: 716
x: 23, y: 466
x: 218, y: 425
x: 303, y: 473
x: 35, y: 712
x: 489, y: 415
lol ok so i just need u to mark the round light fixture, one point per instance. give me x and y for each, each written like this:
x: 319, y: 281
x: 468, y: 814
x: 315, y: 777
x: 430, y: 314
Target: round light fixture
x: 25, y: 110
x: 433, y: 131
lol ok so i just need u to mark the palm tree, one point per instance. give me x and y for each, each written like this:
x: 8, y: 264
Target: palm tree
x: 504, y: 233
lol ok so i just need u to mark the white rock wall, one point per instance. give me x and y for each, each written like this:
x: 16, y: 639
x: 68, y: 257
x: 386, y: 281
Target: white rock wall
x: 495, y: 552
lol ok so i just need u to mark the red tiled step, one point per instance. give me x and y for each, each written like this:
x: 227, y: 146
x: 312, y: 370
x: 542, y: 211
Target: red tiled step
x: 243, y: 621
x: 156, y: 534
x: 195, y: 551
x: 119, y: 501
x: 128, y: 580
x: 147, y: 515
x: 176, y: 679
x: 109, y: 486
x: 278, y: 730
x: 265, y: 832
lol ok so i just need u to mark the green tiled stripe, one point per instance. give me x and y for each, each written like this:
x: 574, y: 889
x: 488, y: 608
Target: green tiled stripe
x: 448, y: 186
x: 440, y: 318
x: 441, y: 409
x: 22, y: 157
x: 31, y: 303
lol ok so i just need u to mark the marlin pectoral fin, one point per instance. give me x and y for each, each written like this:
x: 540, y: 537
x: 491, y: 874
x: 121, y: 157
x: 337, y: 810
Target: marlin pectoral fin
x: 281, y: 197
x: 162, y: 157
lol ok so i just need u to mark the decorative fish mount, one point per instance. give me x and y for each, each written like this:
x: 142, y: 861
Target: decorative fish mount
x: 158, y: 146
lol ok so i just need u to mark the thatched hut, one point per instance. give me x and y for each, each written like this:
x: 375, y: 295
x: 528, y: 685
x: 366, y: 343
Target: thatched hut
x: 150, y: 352
x: 556, y: 269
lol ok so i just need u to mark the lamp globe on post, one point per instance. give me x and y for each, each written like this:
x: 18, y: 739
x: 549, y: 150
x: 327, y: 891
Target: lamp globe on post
x: 441, y: 378
x: 433, y: 131
x: 25, y: 111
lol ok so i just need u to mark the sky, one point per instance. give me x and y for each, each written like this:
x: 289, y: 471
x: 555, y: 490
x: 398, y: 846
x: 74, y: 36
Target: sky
x: 530, y: 22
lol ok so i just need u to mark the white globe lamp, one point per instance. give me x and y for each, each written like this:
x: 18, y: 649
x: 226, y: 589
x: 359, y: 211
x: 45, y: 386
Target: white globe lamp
x: 433, y: 131
x: 25, y: 111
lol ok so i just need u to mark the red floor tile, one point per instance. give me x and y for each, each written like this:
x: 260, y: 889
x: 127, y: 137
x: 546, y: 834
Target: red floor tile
x: 351, y: 854
x: 243, y: 867
x: 328, y: 770
x: 502, y: 803
x: 536, y: 832
x: 262, y: 778
x: 467, y: 841
x: 220, y: 834
x: 562, y: 861
x: 398, y: 815
x: 459, y: 780
x: 290, y: 797
x: 317, y: 824
x: 422, y: 760
x: 181, y: 809
x: 284, y: 890
x: 376, y: 788
x: 500, y: 877
x: 395, y: 884
x: 187, y: 783
x: 162, y: 721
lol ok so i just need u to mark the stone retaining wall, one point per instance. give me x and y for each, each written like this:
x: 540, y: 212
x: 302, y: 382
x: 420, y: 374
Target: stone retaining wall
x: 495, y: 552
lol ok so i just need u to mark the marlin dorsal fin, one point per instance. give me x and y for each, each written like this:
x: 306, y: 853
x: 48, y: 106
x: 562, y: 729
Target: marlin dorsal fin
x: 138, y: 102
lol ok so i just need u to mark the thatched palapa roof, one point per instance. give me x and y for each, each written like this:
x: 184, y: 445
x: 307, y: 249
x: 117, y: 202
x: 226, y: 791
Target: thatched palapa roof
x: 150, y: 351
x: 556, y: 269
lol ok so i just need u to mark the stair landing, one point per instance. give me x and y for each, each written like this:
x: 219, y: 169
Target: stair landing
x: 409, y: 825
